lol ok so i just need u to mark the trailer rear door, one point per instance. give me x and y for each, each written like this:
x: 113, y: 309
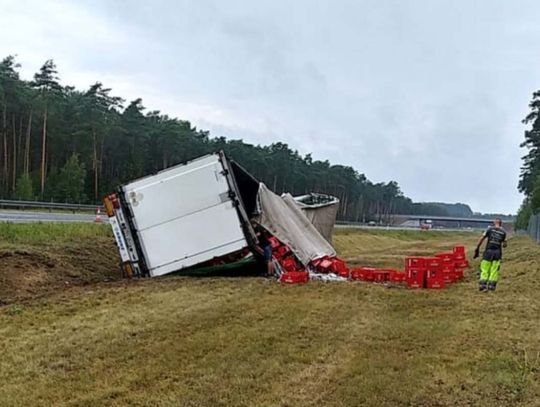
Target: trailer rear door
x: 184, y: 215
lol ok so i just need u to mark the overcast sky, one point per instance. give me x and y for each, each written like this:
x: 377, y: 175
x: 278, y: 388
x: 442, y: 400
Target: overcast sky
x: 428, y: 93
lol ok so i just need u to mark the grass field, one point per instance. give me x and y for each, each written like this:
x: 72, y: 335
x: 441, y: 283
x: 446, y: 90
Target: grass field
x: 251, y: 342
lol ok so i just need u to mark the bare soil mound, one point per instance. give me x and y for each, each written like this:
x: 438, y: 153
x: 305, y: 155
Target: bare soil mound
x: 34, y: 270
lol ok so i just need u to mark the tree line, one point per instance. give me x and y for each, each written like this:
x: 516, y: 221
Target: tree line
x: 529, y: 181
x: 68, y: 145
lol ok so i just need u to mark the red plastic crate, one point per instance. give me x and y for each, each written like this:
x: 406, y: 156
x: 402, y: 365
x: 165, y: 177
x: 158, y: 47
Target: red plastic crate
x: 325, y: 265
x: 461, y: 264
x: 289, y: 264
x: 416, y: 278
x: 459, y: 250
x: 380, y: 276
x: 368, y: 273
x: 340, y: 268
x: 362, y: 273
x: 396, y: 276
x: 294, y: 277
x: 316, y: 262
x: 280, y: 251
x: 415, y: 262
x: 357, y: 274
x: 433, y: 262
x: 459, y: 274
x: 449, y: 275
x: 435, y: 279
x: 445, y: 257
x: 459, y: 253
x: 274, y: 242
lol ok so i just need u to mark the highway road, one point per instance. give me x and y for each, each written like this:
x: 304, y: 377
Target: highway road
x: 31, y: 216
x: 68, y: 217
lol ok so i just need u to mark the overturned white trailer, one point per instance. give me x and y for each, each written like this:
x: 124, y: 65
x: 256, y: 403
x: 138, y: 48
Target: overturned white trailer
x: 195, y: 212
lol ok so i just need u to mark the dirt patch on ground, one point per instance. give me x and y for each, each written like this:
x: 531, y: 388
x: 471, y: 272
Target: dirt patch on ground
x: 37, y: 270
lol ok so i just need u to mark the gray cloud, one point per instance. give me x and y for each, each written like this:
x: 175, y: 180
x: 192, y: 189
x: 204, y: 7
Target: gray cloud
x: 428, y: 93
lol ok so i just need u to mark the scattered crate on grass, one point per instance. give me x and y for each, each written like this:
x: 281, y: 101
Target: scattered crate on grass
x: 362, y: 273
x: 396, y: 276
x: 377, y: 275
x: 295, y: 272
x: 434, y: 272
x: 294, y: 277
x: 333, y: 265
x: 380, y: 276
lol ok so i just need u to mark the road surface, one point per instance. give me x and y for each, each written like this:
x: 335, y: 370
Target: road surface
x: 67, y: 217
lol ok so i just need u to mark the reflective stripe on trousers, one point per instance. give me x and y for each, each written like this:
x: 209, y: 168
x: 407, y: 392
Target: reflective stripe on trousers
x: 489, y: 272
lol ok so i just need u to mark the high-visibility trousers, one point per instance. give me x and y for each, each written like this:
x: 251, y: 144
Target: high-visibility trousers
x: 489, y: 274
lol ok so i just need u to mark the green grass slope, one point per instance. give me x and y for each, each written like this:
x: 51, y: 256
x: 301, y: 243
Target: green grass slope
x: 250, y: 342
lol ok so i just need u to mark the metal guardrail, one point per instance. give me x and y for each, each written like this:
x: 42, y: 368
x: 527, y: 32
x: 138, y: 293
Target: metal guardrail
x: 14, y: 204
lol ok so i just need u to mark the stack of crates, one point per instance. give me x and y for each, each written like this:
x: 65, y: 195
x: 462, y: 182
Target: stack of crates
x: 416, y: 270
x: 437, y: 271
x: 434, y: 272
x: 460, y: 261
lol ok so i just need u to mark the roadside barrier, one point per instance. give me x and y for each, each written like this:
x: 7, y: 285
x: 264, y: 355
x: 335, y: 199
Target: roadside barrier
x: 15, y: 204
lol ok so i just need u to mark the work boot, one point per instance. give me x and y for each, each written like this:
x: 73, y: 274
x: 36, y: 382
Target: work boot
x: 492, y: 285
x: 482, y: 286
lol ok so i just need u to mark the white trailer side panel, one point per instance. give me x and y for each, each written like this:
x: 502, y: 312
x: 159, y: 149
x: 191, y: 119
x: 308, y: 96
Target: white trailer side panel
x: 204, y: 235
x: 184, y: 216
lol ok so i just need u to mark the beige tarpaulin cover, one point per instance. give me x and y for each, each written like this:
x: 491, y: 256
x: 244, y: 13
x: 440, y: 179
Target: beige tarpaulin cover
x: 282, y: 217
x: 323, y: 217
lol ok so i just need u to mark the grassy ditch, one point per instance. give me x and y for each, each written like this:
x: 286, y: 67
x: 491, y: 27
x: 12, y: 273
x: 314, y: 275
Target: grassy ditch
x: 249, y: 342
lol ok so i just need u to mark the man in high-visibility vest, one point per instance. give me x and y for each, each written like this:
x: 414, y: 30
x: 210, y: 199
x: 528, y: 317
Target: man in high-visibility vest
x: 491, y: 259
